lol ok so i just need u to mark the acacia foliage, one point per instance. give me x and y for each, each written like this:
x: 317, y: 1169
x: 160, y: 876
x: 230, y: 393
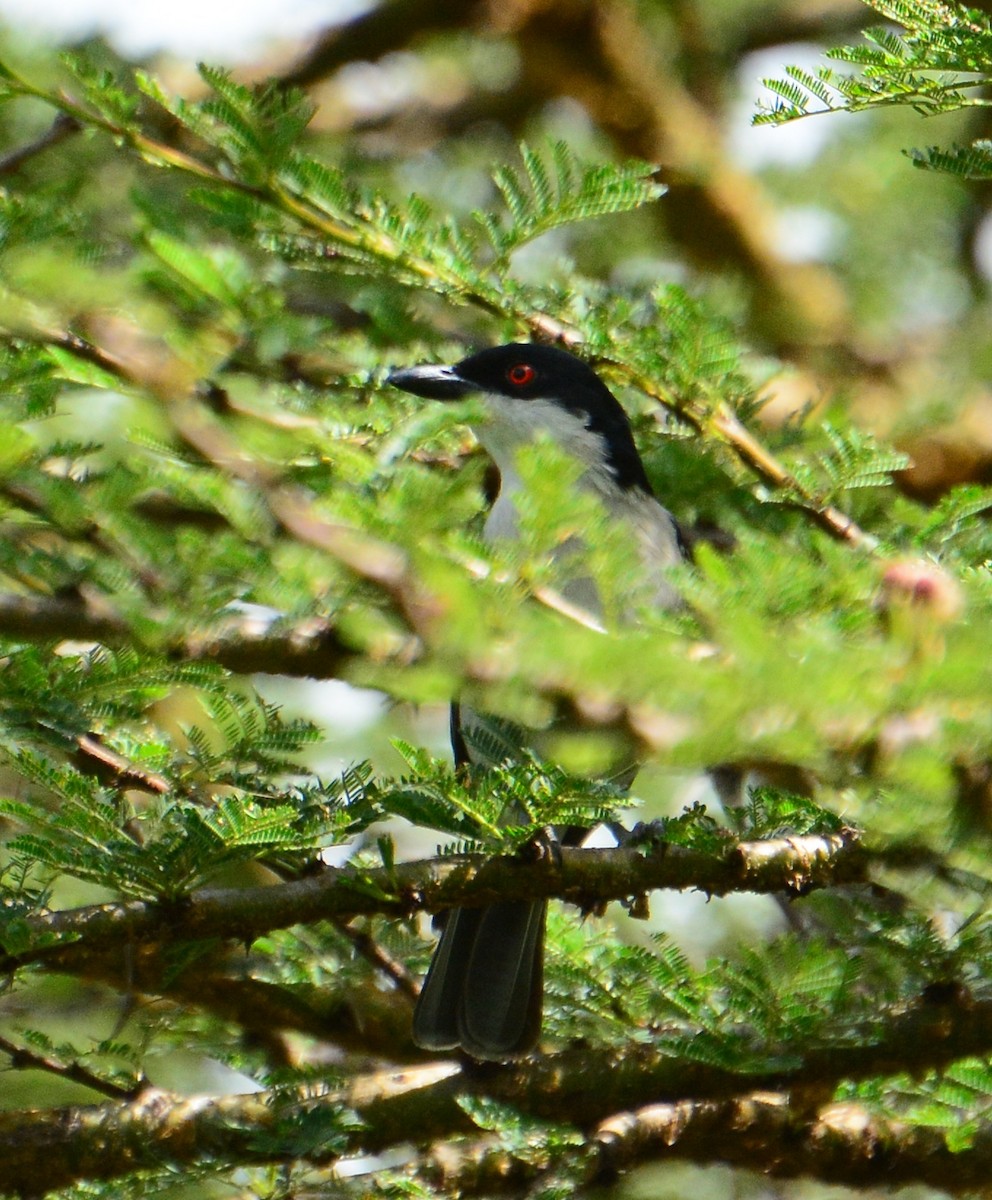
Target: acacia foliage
x: 203, y: 476
x: 930, y: 56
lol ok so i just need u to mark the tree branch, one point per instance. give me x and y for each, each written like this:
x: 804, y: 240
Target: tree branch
x: 62, y: 127
x: 376, y: 32
x: 22, y: 1058
x: 584, y: 877
x: 841, y: 1143
x: 358, y: 233
x: 241, y: 643
x: 378, y: 957
x: 363, y: 1018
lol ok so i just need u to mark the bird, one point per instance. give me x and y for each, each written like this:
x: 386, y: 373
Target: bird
x: 483, y: 992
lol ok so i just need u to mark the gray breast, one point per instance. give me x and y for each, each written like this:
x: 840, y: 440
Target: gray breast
x: 491, y: 740
x: 650, y: 524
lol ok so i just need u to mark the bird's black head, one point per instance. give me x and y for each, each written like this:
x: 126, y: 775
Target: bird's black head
x: 524, y: 386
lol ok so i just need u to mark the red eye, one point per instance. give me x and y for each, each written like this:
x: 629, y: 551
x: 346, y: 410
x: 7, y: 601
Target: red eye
x: 520, y: 375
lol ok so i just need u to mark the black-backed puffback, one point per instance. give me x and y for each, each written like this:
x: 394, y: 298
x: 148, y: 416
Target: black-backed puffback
x: 483, y: 991
x: 532, y: 388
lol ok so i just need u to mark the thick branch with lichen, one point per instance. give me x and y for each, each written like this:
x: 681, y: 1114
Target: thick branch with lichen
x: 587, y: 878
x: 623, y: 1098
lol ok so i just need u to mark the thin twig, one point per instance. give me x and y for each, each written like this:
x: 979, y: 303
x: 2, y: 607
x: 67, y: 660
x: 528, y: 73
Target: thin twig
x: 372, y: 952
x: 114, y: 769
x: 23, y: 1059
x: 62, y: 127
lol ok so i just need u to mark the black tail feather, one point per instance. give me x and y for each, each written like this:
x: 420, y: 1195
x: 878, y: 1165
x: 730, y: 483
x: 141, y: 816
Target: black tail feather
x: 484, y: 989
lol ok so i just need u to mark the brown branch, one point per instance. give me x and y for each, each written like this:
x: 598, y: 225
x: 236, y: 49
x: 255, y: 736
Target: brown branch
x: 384, y: 28
x: 24, y: 1059
x: 838, y: 524
x: 591, y: 1083
x: 369, y: 949
x: 782, y: 23
x: 362, y: 1018
x: 92, y: 757
x: 240, y: 643
x: 583, y: 877
x: 44, y: 618
x: 842, y: 1143
x: 62, y: 127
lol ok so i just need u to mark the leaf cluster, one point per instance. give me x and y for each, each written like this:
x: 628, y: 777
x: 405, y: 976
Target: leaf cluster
x: 498, y: 806
x: 938, y: 62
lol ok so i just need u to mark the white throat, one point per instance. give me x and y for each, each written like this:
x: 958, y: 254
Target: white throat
x: 513, y: 424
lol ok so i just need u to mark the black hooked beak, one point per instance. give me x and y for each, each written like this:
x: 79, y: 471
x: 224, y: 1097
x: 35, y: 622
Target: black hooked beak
x: 431, y: 382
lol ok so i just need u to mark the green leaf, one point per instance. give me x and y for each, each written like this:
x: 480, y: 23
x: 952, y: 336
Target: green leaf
x: 208, y: 273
